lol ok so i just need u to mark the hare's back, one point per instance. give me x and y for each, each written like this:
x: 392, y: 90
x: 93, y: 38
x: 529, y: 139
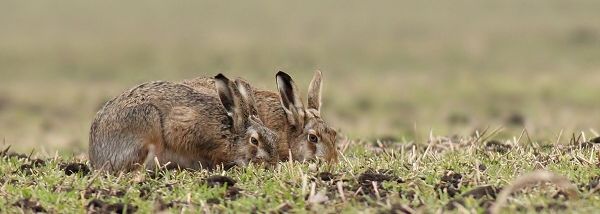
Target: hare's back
x: 165, y: 94
x: 201, y: 84
x: 170, y: 99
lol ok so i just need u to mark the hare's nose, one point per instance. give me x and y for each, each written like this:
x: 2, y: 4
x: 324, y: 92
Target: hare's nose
x: 262, y: 154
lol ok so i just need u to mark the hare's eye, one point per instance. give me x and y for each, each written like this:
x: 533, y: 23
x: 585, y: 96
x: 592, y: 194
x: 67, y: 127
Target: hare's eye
x: 313, y: 138
x: 254, y: 141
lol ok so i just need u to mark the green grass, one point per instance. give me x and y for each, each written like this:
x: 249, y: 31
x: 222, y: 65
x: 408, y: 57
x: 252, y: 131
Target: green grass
x: 414, y: 181
x: 386, y: 66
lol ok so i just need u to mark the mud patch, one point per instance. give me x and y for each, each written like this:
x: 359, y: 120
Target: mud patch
x: 16, y: 155
x: 551, y: 206
x: 7, y: 154
x: 26, y: 169
x: 369, y: 177
x: 37, y: 162
x: 98, y: 206
x: 29, y: 168
x: 325, y: 176
x: 28, y: 204
x: 161, y: 205
x: 33, y: 162
x: 218, y: 180
x: 371, y: 184
x: 484, y: 203
x: 211, y: 201
x: 75, y: 168
x: 100, y: 193
x: 487, y: 195
x: 561, y: 195
x: 482, y: 191
x: 284, y: 208
x: 145, y: 192
x: 450, y: 183
x: 232, y: 192
x: 387, y: 139
x: 497, y: 146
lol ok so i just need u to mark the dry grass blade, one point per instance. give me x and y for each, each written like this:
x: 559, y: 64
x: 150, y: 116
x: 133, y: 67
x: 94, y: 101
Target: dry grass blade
x: 97, y: 173
x: 558, y: 138
x: 484, y: 138
x: 575, y: 140
x: 479, y: 135
x: 533, y: 178
x: 340, y: 188
x: 376, y: 190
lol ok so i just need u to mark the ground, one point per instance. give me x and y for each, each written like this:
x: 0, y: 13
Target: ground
x: 513, y: 85
x: 446, y: 174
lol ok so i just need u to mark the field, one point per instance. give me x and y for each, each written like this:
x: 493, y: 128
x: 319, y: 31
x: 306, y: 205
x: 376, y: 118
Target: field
x: 433, y: 99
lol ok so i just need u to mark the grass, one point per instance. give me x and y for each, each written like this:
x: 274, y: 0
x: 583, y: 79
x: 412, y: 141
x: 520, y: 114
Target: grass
x: 386, y: 66
x: 431, y: 176
x: 394, y: 71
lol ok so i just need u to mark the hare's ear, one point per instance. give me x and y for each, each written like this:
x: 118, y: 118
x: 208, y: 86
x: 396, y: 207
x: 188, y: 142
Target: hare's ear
x: 314, y: 93
x: 247, y: 95
x: 225, y: 94
x: 290, y: 99
x: 233, y: 102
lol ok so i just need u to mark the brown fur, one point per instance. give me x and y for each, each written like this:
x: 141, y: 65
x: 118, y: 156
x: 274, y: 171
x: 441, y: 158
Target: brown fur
x: 186, y: 127
x: 285, y: 114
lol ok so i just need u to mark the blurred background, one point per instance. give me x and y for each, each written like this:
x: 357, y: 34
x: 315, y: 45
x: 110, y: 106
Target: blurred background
x: 393, y: 70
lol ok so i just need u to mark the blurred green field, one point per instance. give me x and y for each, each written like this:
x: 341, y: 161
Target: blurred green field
x: 393, y: 69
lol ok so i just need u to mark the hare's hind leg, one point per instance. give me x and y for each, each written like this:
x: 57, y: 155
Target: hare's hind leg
x: 123, y: 142
x: 130, y: 154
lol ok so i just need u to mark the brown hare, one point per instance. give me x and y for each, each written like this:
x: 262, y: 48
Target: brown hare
x: 186, y: 127
x: 302, y: 131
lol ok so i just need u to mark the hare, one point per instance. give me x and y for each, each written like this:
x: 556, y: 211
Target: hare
x: 303, y: 133
x: 186, y: 127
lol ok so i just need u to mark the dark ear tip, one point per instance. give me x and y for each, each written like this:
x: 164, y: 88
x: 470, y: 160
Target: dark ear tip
x: 220, y: 76
x: 283, y: 76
